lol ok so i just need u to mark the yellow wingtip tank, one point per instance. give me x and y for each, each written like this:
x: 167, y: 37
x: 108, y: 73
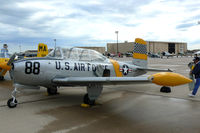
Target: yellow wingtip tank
x: 139, y: 51
x: 169, y: 79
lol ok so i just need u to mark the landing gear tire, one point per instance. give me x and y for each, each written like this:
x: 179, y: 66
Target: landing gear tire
x: 12, y: 104
x: 1, y: 78
x: 86, y: 100
x: 165, y: 89
x: 52, y: 91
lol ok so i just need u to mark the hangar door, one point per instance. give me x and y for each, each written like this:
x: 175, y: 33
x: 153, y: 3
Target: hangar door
x: 171, y: 47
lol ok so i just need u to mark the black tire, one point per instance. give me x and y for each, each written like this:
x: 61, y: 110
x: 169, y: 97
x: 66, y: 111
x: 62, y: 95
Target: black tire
x: 86, y: 100
x: 165, y: 89
x: 52, y: 91
x: 11, y: 104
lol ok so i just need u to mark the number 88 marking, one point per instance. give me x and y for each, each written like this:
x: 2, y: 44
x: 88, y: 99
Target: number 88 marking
x: 32, y: 67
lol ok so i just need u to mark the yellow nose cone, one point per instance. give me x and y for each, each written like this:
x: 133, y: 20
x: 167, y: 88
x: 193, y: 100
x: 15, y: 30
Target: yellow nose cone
x: 169, y: 79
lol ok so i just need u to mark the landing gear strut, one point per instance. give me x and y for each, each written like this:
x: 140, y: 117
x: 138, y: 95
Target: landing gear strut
x: 12, y: 102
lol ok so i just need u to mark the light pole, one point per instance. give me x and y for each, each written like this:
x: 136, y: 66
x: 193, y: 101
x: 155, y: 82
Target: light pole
x: 117, y: 40
x: 55, y: 42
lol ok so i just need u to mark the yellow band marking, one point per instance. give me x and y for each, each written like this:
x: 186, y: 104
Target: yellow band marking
x: 139, y: 56
x: 116, y: 67
x: 140, y: 41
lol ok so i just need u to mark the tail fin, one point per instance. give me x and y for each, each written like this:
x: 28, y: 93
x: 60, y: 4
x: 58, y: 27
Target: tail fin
x: 140, y: 53
x: 42, y: 50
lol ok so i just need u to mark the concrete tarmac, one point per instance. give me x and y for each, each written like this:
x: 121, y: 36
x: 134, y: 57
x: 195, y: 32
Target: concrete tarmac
x: 123, y: 108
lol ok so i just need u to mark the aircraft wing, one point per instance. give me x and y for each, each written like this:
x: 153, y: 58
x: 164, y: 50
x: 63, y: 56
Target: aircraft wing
x: 162, y: 78
x: 103, y: 80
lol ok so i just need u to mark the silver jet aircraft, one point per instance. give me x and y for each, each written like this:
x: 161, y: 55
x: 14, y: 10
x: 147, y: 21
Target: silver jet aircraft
x: 84, y: 67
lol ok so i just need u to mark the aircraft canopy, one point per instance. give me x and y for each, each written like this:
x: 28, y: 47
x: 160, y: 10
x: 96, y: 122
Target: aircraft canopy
x: 77, y: 54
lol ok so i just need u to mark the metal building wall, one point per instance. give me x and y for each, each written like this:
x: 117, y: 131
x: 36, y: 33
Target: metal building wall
x: 152, y: 46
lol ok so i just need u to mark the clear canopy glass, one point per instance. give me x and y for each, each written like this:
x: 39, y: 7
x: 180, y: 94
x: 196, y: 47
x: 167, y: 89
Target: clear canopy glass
x: 77, y: 54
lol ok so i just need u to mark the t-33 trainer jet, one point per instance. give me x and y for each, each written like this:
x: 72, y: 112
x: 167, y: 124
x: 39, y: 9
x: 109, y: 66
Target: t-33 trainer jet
x: 84, y: 67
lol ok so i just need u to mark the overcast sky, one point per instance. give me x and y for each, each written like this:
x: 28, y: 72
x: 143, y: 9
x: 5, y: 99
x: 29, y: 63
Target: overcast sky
x: 94, y: 22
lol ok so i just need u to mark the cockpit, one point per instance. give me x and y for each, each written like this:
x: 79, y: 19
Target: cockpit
x: 77, y: 54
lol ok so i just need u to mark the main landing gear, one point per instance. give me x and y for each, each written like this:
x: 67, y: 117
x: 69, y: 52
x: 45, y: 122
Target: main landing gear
x: 86, y: 100
x: 52, y: 90
x: 12, y: 103
x: 93, y: 92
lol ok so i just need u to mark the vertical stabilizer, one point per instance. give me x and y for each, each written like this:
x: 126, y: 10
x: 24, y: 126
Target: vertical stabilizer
x: 140, y: 53
x: 42, y: 50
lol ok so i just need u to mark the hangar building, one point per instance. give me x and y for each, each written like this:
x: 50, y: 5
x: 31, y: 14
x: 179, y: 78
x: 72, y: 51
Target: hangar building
x: 152, y: 47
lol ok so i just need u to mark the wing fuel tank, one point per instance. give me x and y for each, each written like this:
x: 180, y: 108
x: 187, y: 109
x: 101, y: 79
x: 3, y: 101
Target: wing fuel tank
x: 169, y: 79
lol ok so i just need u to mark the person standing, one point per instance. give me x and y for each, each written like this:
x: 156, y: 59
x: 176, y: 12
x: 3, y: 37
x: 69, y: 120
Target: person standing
x: 191, y: 76
x: 196, y: 72
x: 4, y: 49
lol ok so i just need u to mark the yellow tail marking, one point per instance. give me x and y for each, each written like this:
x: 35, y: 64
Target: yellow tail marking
x: 139, y: 56
x: 42, y: 50
x: 140, y: 41
x: 116, y: 67
x: 139, y: 51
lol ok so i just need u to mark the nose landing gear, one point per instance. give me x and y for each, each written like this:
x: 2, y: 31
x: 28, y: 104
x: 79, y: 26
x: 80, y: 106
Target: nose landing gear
x: 12, y: 102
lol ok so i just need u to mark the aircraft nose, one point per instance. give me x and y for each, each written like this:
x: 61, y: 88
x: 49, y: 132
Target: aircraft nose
x: 169, y: 79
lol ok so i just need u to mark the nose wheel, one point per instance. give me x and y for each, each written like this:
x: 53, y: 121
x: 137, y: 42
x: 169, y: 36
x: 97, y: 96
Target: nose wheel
x: 12, y: 102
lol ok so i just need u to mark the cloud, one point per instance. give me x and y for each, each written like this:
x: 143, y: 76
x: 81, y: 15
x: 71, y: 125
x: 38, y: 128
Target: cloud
x: 188, y: 25
x: 94, y: 22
